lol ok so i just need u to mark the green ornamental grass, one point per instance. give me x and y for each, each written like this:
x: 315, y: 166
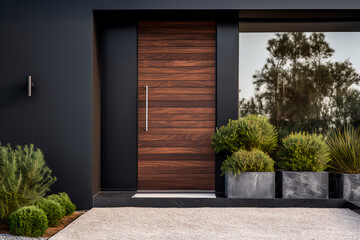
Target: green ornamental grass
x: 344, y: 144
x: 24, y: 178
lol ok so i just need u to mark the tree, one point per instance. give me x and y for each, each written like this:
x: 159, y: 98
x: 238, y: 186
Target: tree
x: 301, y: 89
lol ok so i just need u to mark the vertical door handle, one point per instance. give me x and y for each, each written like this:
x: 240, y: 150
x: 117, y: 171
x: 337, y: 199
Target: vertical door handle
x: 147, y: 108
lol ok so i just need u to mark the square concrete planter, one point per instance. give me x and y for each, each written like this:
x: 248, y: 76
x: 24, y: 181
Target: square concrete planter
x: 346, y: 186
x: 259, y: 185
x: 305, y: 185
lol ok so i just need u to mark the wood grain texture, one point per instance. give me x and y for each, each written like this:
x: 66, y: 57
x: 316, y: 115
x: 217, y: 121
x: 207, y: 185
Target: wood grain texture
x: 177, y: 61
x: 177, y: 124
x: 148, y: 181
x: 177, y: 43
x: 188, y: 70
x: 176, y: 76
x: 177, y: 56
x: 176, y: 157
x: 152, y: 104
x: 175, y: 84
x: 172, y: 137
x: 195, y: 116
x: 176, y: 167
x: 176, y: 50
x: 208, y: 131
x: 167, y: 150
x: 177, y: 97
x: 183, y: 36
x: 204, y: 90
x: 174, y: 143
x: 176, y: 110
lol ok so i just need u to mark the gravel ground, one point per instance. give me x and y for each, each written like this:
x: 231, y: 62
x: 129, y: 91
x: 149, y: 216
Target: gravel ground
x: 213, y: 223
x: 11, y: 237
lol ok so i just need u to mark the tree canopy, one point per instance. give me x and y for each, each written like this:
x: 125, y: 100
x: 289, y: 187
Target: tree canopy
x: 300, y: 87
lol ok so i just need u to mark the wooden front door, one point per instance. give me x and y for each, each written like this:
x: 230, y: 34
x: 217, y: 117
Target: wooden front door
x: 176, y: 60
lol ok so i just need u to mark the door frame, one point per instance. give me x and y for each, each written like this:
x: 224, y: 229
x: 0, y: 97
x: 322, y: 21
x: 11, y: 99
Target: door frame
x: 226, y: 74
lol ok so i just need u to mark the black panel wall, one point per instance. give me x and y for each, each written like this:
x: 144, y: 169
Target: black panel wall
x: 227, y: 90
x: 118, y: 61
x: 52, y: 41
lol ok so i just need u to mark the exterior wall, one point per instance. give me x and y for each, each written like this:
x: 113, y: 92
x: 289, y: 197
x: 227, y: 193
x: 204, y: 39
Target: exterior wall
x: 52, y: 41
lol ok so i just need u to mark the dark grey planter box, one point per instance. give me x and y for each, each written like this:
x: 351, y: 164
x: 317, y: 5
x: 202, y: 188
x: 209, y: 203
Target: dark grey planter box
x: 305, y: 185
x: 349, y: 186
x: 259, y: 185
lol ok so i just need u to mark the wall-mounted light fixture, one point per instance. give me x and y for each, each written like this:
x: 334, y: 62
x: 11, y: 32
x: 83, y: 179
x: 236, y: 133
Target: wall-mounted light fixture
x: 29, y: 85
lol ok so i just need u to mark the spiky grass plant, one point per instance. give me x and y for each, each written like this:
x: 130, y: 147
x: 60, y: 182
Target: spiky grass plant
x: 24, y: 178
x: 344, y: 144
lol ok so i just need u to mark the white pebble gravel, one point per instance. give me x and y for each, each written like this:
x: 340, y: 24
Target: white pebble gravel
x: 12, y: 237
x: 213, y: 223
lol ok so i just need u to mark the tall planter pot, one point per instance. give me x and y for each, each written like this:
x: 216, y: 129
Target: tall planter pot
x: 304, y: 185
x: 346, y: 186
x: 260, y: 185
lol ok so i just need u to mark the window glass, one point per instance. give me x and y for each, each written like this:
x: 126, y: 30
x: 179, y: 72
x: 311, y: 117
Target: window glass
x: 303, y: 81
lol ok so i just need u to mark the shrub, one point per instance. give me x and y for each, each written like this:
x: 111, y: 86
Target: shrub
x: 53, y: 210
x: 28, y: 221
x: 344, y: 147
x: 24, y: 178
x: 303, y: 152
x: 248, y: 161
x: 245, y: 133
x: 64, y: 200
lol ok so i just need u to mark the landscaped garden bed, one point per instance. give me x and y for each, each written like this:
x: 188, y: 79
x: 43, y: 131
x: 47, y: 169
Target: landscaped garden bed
x: 51, y: 231
x: 25, y: 210
x: 303, y: 161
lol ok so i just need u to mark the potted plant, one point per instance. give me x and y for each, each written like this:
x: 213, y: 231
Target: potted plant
x: 248, y: 169
x: 249, y: 174
x: 303, y: 157
x: 344, y: 144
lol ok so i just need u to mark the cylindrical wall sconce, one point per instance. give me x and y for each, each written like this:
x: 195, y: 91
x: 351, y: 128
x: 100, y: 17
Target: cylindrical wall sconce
x: 29, y: 85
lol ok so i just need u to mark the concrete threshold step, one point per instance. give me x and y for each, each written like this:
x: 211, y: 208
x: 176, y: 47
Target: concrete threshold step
x: 174, y: 195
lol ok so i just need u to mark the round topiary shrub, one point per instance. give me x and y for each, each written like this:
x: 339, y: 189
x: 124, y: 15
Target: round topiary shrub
x: 248, y: 161
x: 28, y: 221
x: 53, y: 210
x: 304, y: 152
x: 64, y: 200
x: 247, y: 133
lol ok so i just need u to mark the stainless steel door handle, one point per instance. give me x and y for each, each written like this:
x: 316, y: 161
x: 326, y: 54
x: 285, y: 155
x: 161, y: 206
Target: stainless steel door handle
x: 147, y: 108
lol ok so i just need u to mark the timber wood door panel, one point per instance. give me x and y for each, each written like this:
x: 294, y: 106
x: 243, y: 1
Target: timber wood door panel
x: 150, y: 181
x: 177, y: 56
x: 166, y: 36
x: 176, y: 157
x: 177, y: 104
x: 176, y: 60
x: 176, y: 167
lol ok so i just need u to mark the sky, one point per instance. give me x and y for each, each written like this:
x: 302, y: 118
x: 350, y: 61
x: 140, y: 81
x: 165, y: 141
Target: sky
x: 252, y: 54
